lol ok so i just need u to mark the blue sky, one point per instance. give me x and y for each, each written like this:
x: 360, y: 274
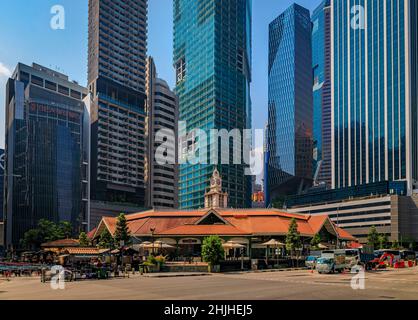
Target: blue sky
x: 26, y: 36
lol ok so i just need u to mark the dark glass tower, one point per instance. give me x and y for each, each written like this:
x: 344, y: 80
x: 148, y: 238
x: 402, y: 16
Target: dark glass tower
x: 116, y: 77
x: 212, y: 57
x: 321, y: 65
x: 46, y: 154
x: 374, y: 93
x: 290, y: 103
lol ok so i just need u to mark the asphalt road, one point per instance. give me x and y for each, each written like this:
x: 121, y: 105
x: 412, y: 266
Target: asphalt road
x: 299, y: 285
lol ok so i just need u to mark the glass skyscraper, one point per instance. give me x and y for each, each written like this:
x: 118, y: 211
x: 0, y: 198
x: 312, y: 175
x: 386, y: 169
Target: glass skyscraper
x: 290, y: 103
x: 212, y: 57
x: 321, y: 65
x: 374, y: 92
x: 46, y: 156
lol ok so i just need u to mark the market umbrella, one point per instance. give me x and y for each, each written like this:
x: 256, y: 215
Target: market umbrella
x: 273, y: 243
x: 155, y: 245
x: 162, y: 245
x: 322, y: 246
x: 232, y: 245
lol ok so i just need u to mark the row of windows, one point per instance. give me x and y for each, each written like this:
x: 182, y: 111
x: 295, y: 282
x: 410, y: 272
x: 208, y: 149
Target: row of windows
x: 44, y: 83
x: 365, y: 220
x: 345, y: 208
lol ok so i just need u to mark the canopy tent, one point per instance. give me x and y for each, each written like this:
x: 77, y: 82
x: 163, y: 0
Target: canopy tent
x: 155, y: 245
x: 273, y: 243
x: 146, y: 245
x: 232, y: 245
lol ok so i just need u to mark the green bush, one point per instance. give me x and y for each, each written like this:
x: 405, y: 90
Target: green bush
x: 212, y: 250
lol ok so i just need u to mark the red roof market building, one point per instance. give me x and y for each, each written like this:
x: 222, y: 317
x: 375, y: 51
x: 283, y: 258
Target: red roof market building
x: 250, y: 227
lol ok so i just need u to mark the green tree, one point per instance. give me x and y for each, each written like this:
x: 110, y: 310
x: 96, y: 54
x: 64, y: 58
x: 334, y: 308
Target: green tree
x: 316, y: 240
x: 373, y: 237
x: 106, y: 240
x: 383, y: 241
x: 293, y: 241
x: 84, y: 240
x: 46, y: 231
x: 65, y: 230
x: 395, y: 245
x: 31, y: 239
x: 122, y: 231
x: 212, y: 250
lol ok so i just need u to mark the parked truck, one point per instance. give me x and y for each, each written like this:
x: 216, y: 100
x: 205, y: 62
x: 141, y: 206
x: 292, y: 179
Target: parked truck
x: 331, y: 261
x: 360, y: 257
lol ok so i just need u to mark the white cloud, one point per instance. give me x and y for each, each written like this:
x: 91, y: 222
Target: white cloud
x: 4, y: 71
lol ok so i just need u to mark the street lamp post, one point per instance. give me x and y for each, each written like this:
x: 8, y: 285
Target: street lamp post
x: 152, y: 229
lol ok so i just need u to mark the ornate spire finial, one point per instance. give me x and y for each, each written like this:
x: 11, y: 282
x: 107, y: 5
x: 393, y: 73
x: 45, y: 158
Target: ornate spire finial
x: 215, y: 198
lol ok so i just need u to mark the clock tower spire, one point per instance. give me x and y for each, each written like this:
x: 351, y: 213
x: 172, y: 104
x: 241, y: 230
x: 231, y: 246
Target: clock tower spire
x: 215, y: 198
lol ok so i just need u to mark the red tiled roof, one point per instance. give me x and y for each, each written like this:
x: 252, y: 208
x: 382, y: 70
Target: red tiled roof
x: 61, y: 243
x: 239, y: 222
x: 317, y: 222
x: 354, y: 245
x: 90, y: 235
x: 159, y: 224
x: 203, y: 230
x: 166, y: 213
x: 85, y: 251
x: 110, y: 223
x: 344, y: 235
x: 248, y: 213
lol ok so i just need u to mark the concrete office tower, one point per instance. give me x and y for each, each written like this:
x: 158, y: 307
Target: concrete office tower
x: 290, y: 104
x: 46, y: 162
x: 118, y: 41
x: 162, y: 114
x: 116, y: 76
x: 321, y: 65
x: 212, y: 57
x: 374, y: 120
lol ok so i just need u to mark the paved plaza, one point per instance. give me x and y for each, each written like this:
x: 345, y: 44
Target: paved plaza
x: 389, y: 285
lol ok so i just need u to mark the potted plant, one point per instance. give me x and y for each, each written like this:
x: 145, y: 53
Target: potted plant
x: 212, y: 253
x: 152, y: 264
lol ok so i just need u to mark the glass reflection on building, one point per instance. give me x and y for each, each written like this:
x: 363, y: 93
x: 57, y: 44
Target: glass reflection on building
x: 290, y: 103
x: 46, y: 158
